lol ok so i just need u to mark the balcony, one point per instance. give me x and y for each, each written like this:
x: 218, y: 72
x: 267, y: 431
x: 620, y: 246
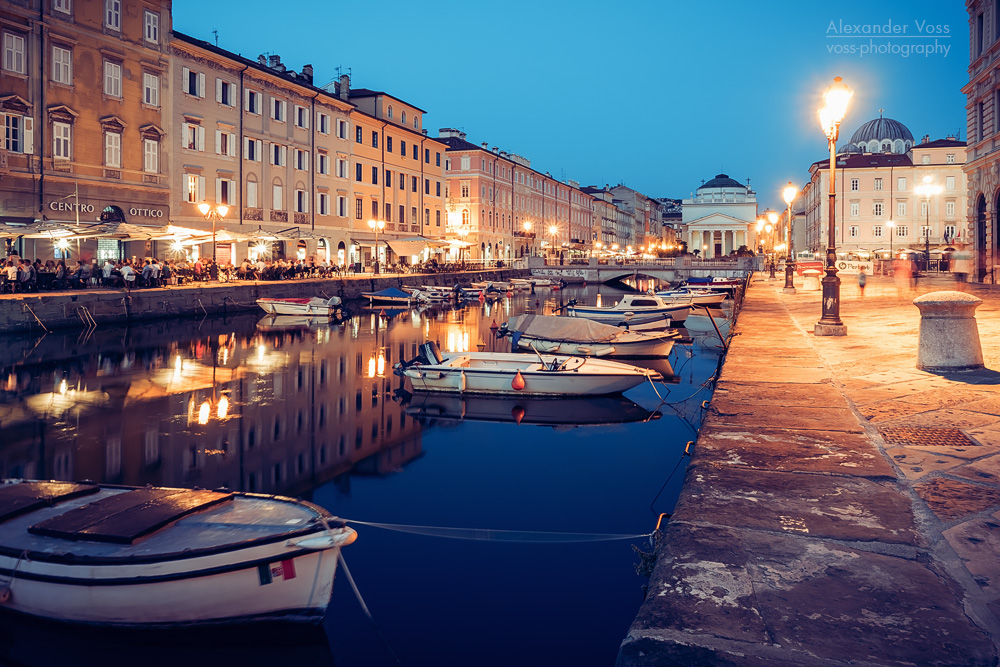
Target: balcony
x: 253, y: 214
x: 523, y: 234
x: 279, y: 216
x: 301, y: 218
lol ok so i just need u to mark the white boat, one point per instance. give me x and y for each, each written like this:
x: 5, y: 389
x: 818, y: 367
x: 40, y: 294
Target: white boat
x: 526, y: 410
x: 515, y: 374
x: 315, y: 306
x: 728, y: 285
x: 693, y: 297
x: 294, y: 323
x: 640, y: 308
x: 157, y: 557
x: 390, y: 295
x: 430, y: 294
x: 533, y: 282
x: 578, y: 336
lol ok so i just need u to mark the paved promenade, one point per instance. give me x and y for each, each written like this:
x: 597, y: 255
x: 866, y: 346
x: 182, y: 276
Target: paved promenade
x: 841, y: 507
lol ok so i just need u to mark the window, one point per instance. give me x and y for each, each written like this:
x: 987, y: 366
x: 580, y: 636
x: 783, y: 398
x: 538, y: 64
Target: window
x: 949, y: 183
x: 402, y: 148
x: 358, y: 134
x: 18, y: 135
x: 402, y: 117
x: 252, y: 194
x: 278, y: 155
x: 427, y: 186
x: 193, y: 83
x: 251, y: 101
x: 402, y: 213
x: 416, y: 152
x: 427, y: 155
x: 359, y: 209
x: 437, y: 159
x: 253, y: 149
x: 413, y: 215
x: 878, y: 183
x: 902, y: 231
x: 437, y: 218
x: 301, y: 160
x: 901, y: 183
x: 61, y: 141
x: 276, y: 197
x: 877, y: 209
x: 388, y: 212
x: 465, y: 189
x: 416, y: 122
x: 949, y: 208
x: 388, y: 177
x: 855, y: 185
x: 341, y: 168
x: 301, y: 202
x: 61, y: 6
x: 854, y: 231
x: 278, y: 110
x: 901, y: 209
x: 323, y: 164
x: 374, y: 175
x: 402, y: 181
x: 925, y: 231
x: 225, y: 191
x: 323, y: 203
x: 978, y: 44
x: 949, y: 158
x: 949, y: 233
x: 301, y: 117
x: 341, y: 208
x: 112, y: 79
x: 923, y: 209
x: 151, y: 27
x: 151, y: 156
x: 427, y: 217
x: 877, y: 232
x: 62, y: 65
x: 225, y: 143
x: 341, y: 129
x: 388, y: 144
x: 413, y: 183
x: 357, y: 172
x: 113, y: 14
x: 13, y: 53
x: 925, y: 159
x: 374, y: 139
x: 390, y: 111
x: 151, y: 89
x: 374, y: 209
x: 112, y: 149
x: 855, y: 209
x: 193, y: 137
x: 224, y: 93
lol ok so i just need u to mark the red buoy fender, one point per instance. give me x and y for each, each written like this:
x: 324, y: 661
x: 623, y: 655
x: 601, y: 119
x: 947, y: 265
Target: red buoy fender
x: 518, y: 414
x: 518, y: 382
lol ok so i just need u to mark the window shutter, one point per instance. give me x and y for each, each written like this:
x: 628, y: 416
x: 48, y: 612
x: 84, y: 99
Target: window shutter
x: 260, y: 150
x: 184, y: 187
x: 305, y: 162
x: 201, y: 138
x: 246, y: 99
x: 218, y: 90
x: 218, y: 142
x: 201, y: 188
x: 284, y: 155
x: 319, y: 203
x: 246, y: 147
x: 185, y: 80
x: 29, y: 136
x: 231, y: 146
x: 201, y: 84
x: 184, y: 135
x: 218, y: 190
x: 305, y: 117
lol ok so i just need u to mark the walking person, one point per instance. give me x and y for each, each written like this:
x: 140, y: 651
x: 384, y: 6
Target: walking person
x: 862, y: 279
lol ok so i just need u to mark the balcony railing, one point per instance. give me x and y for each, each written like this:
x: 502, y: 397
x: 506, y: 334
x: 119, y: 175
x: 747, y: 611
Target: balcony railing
x: 253, y: 214
x: 279, y: 216
x: 523, y: 234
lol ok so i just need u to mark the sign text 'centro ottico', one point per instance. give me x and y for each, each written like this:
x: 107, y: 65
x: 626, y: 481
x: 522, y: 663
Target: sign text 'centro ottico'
x: 138, y: 211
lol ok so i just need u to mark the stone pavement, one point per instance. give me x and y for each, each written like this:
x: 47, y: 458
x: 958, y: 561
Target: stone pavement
x: 841, y: 507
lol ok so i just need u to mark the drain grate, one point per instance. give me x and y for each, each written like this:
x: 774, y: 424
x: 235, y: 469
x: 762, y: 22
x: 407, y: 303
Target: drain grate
x: 925, y: 437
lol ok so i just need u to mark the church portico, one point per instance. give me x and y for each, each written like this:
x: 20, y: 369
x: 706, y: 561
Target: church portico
x: 718, y: 217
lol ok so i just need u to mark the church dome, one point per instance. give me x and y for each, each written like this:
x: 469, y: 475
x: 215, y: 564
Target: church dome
x: 722, y: 181
x: 882, y: 135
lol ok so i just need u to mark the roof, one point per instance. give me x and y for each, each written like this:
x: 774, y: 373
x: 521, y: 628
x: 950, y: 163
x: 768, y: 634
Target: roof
x: 866, y: 160
x: 367, y: 92
x: 723, y: 181
x: 942, y: 143
x: 457, y: 144
x: 881, y: 128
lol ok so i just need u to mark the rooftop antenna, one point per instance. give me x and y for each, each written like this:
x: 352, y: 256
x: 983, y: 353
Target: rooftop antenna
x: 880, y: 112
x: 216, y: 33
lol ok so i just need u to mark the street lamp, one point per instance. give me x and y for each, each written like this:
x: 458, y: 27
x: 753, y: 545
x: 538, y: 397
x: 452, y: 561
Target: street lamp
x: 927, y: 189
x: 527, y: 231
x: 890, y: 224
x: 376, y: 226
x: 835, y: 101
x: 553, y: 230
x: 462, y: 232
x: 789, y: 194
x: 770, y: 229
x: 213, y: 214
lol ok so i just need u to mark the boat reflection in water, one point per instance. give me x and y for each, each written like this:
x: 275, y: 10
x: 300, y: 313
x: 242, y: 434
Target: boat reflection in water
x: 525, y: 410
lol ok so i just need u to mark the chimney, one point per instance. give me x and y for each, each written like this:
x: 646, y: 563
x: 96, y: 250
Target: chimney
x: 448, y: 132
x: 345, y: 86
x: 307, y: 73
x: 273, y: 61
x: 262, y: 60
x: 486, y: 146
x: 926, y: 139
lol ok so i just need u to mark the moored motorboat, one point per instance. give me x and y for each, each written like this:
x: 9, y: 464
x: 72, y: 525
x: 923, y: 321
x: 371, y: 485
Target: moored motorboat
x: 693, y: 297
x: 390, y: 295
x: 579, y: 336
x: 161, y: 557
x: 526, y: 410
x: 640, y: 308
x: 315, y: 306
x: 294, y: 323
x: 728, y: 285
x: 518, y: 374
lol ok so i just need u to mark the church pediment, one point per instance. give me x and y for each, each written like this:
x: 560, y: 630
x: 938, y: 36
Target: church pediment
x: 717, y: 220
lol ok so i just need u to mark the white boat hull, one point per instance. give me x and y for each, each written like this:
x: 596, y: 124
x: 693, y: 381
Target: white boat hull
x: 643, y: 348
x: 287, y: 307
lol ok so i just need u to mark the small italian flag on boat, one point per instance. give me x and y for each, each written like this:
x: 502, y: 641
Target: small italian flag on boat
x: 268, y: 572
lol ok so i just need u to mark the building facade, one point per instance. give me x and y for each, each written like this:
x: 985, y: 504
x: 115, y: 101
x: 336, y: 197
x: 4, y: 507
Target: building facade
x: 719, y: 216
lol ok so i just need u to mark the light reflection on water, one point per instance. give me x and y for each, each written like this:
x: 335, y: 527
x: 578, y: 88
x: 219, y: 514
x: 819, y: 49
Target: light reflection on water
x: 314, y: 411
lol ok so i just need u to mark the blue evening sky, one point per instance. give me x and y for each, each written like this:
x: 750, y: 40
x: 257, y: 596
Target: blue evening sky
x: 655, y: 95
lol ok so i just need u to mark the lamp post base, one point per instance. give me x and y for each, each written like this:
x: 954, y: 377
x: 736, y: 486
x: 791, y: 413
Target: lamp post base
x: 821, y: 329
x: 787, y: 290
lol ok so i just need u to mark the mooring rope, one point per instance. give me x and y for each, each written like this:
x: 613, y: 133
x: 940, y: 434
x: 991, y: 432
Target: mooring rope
x: 495, y: 535
x: 364, y: 607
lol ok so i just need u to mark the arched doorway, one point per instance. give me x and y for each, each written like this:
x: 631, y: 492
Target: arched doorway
x: 300, y: 250
x: 322, y: 251
x: 980, y: 238
x: 341, y: 253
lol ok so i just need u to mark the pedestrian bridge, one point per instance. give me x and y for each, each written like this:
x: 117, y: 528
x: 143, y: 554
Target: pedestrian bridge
x: 669, y: 270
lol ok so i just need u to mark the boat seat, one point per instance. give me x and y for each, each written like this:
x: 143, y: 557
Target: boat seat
x: 125, y: 517
x: 18, y: 499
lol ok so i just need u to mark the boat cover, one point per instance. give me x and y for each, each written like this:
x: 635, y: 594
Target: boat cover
x: 391, y: 292
x: 569, y: 329
x: 125, y: 517
x: 18, y: 499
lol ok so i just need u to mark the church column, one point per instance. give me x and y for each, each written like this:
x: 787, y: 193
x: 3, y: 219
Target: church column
x: 727, y: 241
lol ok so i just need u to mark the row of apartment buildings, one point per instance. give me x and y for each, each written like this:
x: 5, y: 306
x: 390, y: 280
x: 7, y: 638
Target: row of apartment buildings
x: 112, y: 116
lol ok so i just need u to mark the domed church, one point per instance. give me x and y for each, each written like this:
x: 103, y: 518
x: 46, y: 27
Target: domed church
x: 880, y: 135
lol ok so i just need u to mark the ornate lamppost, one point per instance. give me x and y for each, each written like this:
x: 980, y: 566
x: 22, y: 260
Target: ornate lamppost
x: 789, y: 194
x: 927, y: 189
x: 376, y: 226
x: 213, y: 214
x: 772, y: 227
x: 834, y: 109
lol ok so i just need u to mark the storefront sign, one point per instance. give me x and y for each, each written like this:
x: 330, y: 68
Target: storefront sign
x: 139, y: 211
x: 67, y: 206
x: 844, y: 266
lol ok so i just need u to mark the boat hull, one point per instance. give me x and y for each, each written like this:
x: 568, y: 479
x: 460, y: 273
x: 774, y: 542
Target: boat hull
x: 618, y: 317
x: 298, y: 307
x: 651, y: 347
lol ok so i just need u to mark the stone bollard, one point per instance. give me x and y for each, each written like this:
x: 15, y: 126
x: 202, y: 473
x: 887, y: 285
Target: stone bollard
x: 810, y: 280
x: 949, y: 336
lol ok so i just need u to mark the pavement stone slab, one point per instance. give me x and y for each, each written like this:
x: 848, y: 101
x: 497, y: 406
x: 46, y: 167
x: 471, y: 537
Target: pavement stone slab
x: 977, y: 543
x: 890, y: 411
x: 791, y: 374
x: 789, y: 450
x: 984, y: 471
x: 845, y: 508
x: 918, y: 463
x: 797, y: 417
x: 806, y: 395
x: 951, y: 417
x: 952, y: 500
x: 990, y: 406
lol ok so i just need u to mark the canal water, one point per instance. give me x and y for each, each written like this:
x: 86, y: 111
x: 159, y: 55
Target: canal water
x: 490, y: 531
